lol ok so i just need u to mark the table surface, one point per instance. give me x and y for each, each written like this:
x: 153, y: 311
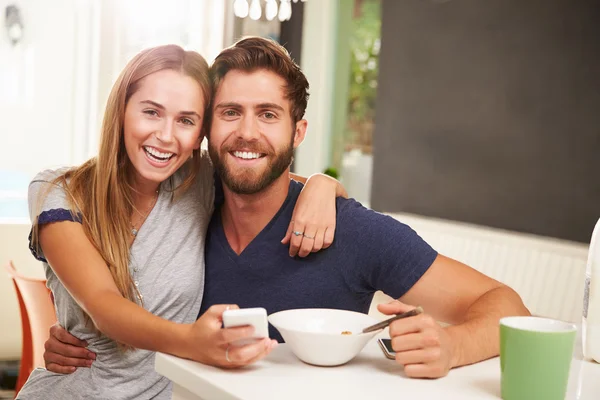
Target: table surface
x: 369, y: 375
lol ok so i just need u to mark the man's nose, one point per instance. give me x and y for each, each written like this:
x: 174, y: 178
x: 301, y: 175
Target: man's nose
x: 248, y: 129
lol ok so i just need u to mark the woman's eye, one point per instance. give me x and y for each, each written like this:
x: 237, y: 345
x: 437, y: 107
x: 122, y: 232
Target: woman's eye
x: 151, y: 112
x: 230, y: 113
x: 187, y: 121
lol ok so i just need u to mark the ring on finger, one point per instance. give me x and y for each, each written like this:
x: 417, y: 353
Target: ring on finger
x: 308, y: 237
x: 227, y: 354
x: 297, y: 233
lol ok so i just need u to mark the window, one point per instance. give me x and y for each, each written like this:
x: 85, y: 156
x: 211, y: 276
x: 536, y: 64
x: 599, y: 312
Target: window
x: 356, y: 90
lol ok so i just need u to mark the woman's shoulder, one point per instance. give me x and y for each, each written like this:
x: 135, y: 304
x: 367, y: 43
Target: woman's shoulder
x: 49, y: 175
x: 47, y: 192
x: 47, y: 183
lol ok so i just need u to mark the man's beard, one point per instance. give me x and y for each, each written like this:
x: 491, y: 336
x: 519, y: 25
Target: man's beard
x: 247, y: 180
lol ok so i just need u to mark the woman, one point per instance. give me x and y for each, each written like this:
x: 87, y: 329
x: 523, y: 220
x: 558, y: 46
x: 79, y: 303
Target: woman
x: 141, y: 208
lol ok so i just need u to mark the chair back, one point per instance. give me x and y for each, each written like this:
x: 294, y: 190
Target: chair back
x: 37, y: 316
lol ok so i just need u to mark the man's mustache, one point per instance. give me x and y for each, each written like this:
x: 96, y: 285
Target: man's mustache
x: 246, y: 145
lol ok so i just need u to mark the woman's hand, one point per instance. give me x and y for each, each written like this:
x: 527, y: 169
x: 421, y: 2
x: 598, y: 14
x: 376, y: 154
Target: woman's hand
x: 211, y: 344
x: 206, y: 342
x: 312, y: 227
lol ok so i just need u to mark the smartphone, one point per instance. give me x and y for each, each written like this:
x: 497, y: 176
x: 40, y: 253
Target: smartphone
x: 256, y: 317
x: 386, y: 347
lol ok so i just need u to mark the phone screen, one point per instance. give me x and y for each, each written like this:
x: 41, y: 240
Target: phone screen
x: 386, y: 347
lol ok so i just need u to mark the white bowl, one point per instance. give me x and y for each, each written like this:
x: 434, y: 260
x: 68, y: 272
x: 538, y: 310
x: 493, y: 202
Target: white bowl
x: 315, y: 334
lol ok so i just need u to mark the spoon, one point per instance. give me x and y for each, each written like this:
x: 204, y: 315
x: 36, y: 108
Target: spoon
x: 383, y: 324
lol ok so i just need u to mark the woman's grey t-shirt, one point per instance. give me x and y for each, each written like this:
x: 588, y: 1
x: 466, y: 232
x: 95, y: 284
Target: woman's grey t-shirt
x: 167, y: 264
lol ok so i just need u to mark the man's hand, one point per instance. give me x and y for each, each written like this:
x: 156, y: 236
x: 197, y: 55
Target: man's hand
x: 422, y: 346
x: 64, y: 352
x: 211, y: 344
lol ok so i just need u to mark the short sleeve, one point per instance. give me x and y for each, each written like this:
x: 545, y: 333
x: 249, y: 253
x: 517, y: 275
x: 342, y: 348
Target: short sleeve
x: 390, y: 256
x: 48, y: 203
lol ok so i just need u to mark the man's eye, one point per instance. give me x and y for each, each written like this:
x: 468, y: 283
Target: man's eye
x: 269, y: 115
x: 230, y: 113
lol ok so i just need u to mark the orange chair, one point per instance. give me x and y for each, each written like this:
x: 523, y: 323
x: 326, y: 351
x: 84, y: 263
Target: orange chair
x: 37, y: 316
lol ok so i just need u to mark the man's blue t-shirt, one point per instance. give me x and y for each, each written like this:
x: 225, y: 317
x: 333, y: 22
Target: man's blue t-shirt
x: 370, y: 252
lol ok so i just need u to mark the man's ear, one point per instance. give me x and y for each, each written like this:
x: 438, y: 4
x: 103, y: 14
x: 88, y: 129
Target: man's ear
x: 300, y: 132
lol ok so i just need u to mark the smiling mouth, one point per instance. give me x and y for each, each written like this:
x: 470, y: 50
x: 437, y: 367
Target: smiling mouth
x: 247, y: 155
x: 158, y: 156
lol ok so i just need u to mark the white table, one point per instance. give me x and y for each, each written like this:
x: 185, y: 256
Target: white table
x: 368, y: 376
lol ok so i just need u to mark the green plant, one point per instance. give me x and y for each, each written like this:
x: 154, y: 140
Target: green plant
x: 365, y: 44
x: 332, y: 172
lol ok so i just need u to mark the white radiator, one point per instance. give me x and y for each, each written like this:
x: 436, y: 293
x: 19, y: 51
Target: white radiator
x: 547, y: 273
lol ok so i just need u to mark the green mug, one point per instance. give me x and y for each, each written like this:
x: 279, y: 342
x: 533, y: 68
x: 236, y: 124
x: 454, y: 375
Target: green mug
x: 535, y: 357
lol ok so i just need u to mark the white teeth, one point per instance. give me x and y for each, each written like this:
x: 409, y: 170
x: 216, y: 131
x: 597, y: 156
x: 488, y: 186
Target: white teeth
x: 246, y: 155
x: 156, y: 153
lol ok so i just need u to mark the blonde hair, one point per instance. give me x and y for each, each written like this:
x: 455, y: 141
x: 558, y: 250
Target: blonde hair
x: 101, y: 188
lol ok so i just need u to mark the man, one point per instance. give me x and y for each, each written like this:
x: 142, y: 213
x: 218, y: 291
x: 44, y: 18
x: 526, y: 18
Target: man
x: 257, y: 122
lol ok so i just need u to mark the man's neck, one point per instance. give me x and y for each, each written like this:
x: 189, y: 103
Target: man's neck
x: 245, y: 216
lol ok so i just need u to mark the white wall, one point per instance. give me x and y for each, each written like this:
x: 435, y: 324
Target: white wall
x: 318, y: 63
x: 38, y: 115
x: 37, y: 107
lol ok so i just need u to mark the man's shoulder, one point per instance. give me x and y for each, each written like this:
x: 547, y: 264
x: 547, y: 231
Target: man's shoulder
x: 363, y: 223
x: 295, y: 188
x: 351, y: 213
x: 351, y: 208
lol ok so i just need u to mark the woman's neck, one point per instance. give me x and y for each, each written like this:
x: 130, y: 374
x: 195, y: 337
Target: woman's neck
x: 144, y: 188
